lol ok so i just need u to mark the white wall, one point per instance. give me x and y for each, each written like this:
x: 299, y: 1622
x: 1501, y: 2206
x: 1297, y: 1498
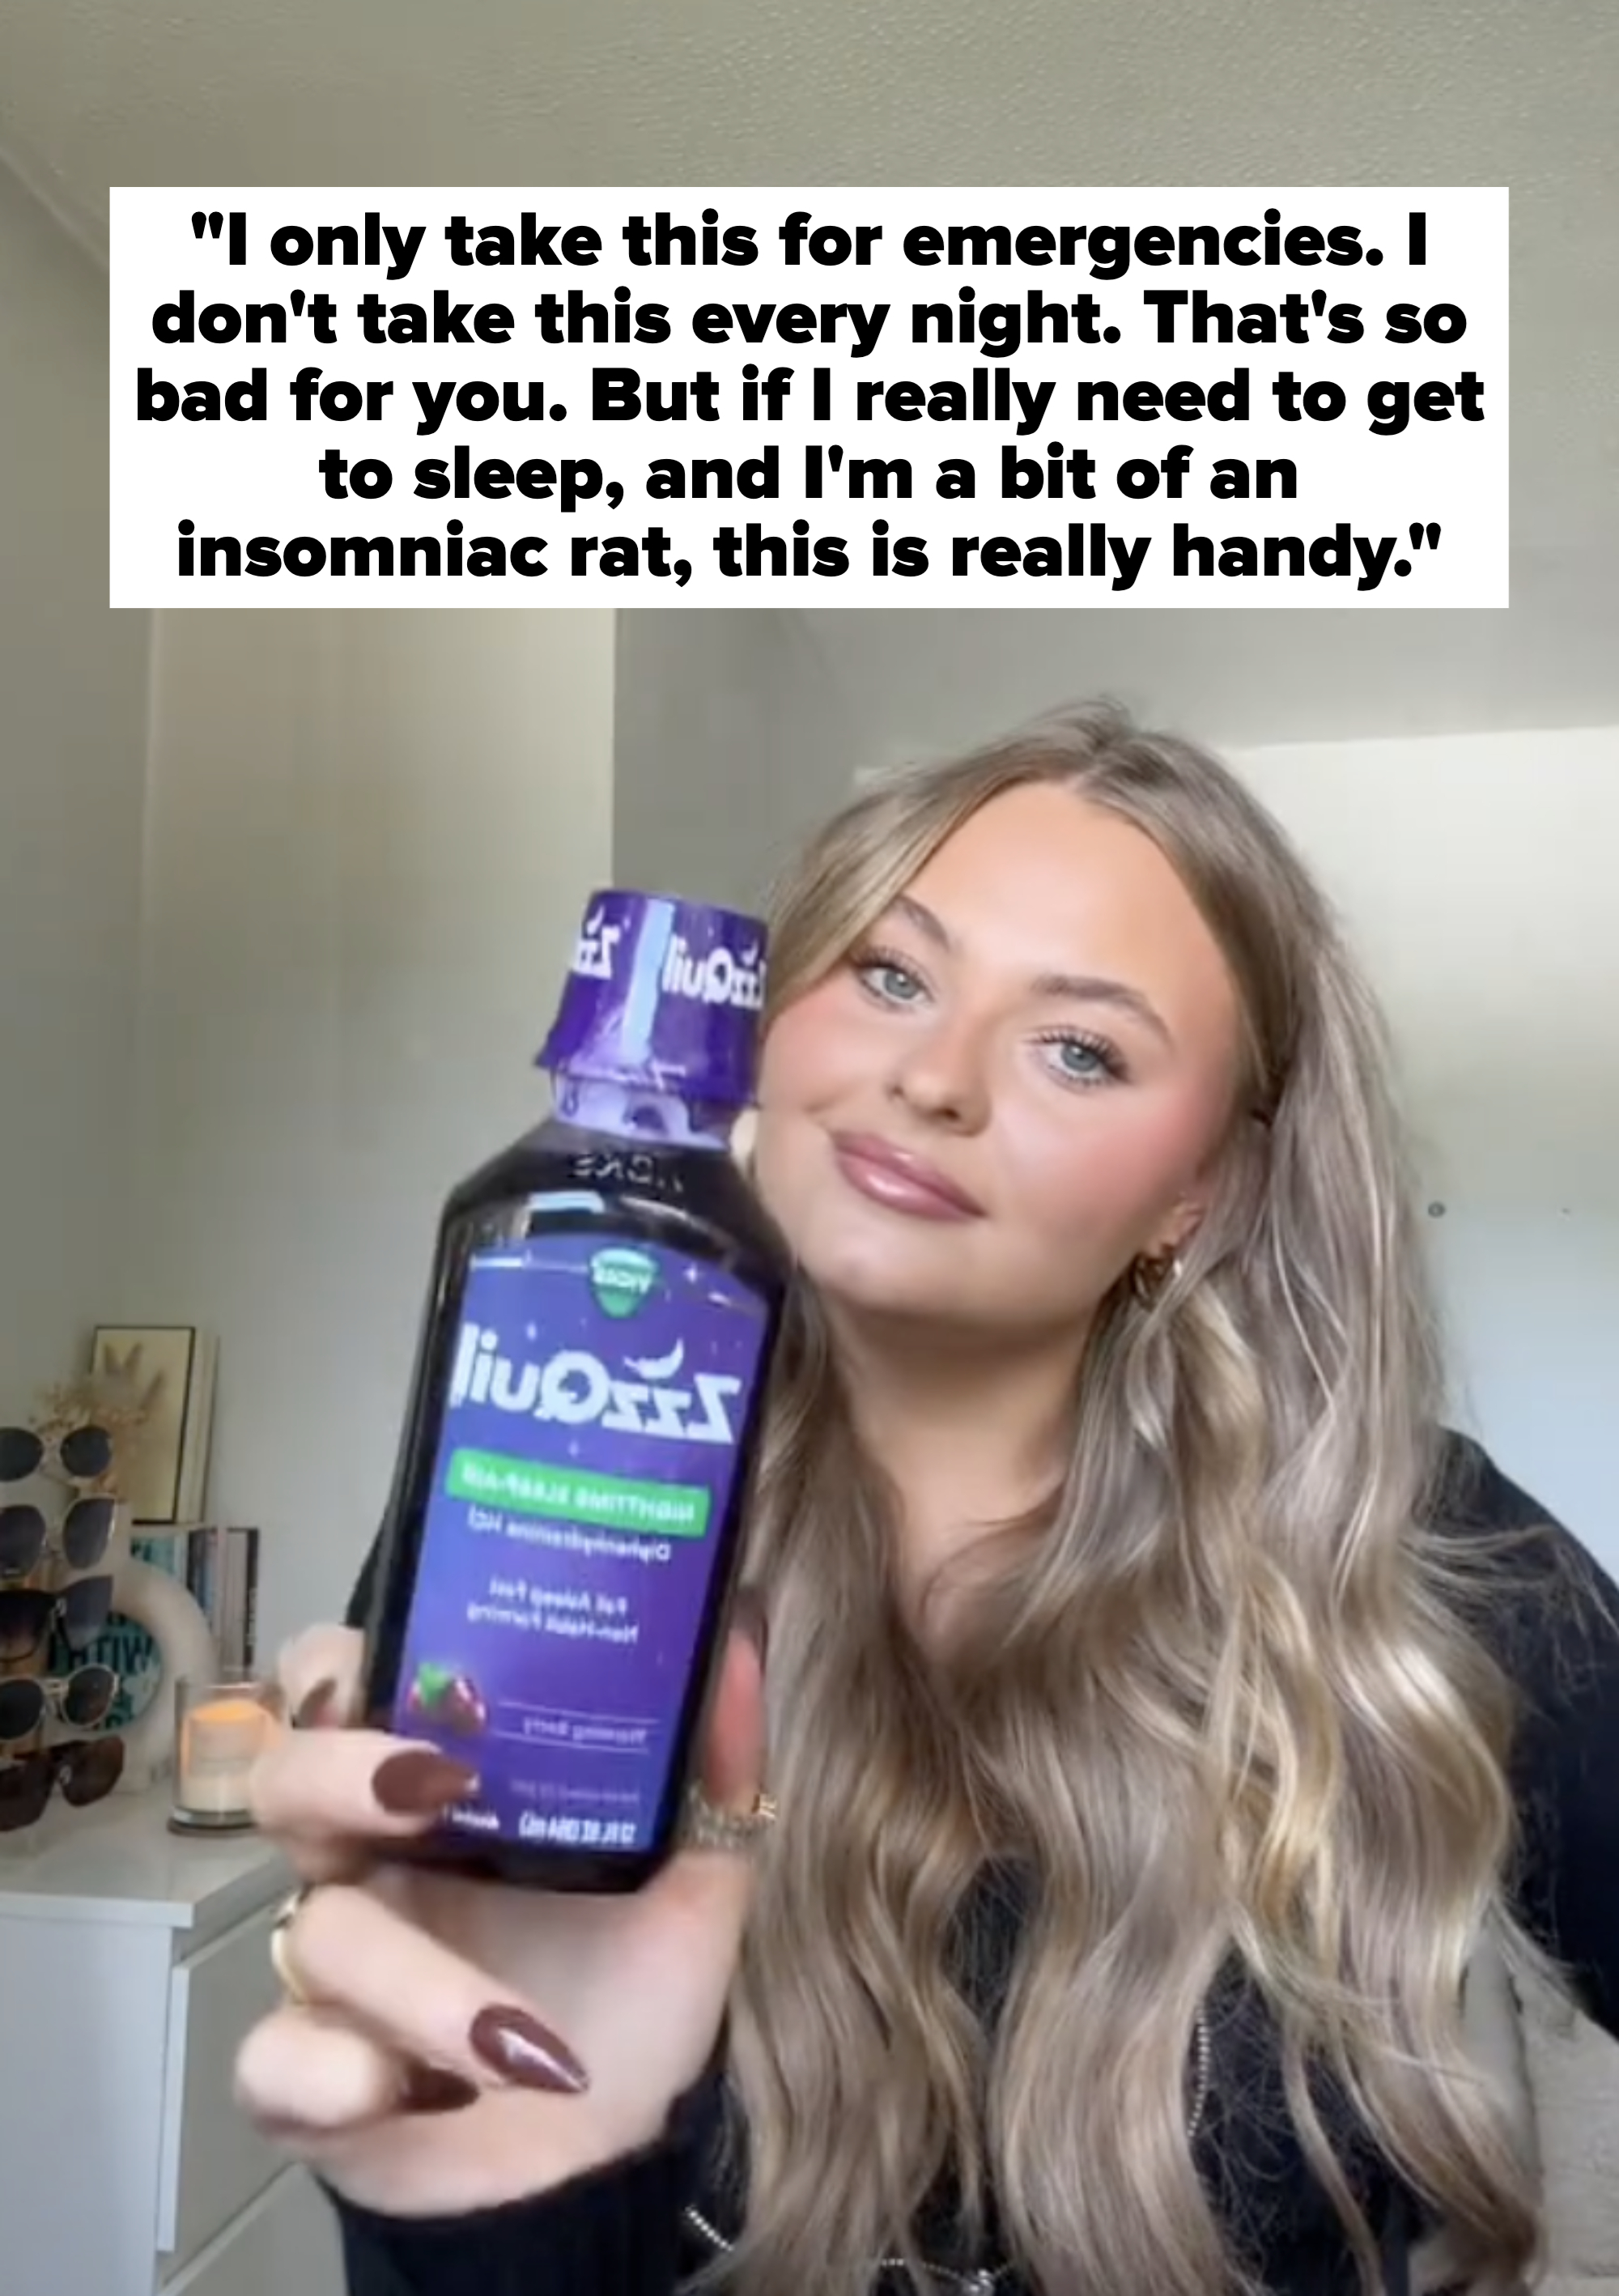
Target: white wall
x: 1476, y: 875
x: 73, y: 739
x: 731, y: 734
x: 368, y: 836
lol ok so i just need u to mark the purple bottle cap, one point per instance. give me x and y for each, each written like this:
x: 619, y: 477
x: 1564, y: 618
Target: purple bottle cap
x: 664, y: 995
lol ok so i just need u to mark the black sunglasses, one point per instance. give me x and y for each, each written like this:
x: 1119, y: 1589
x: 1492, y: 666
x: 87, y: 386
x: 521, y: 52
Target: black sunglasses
x: 87, y: 1769
x: 27, y: 1614
x: 81, y: 1538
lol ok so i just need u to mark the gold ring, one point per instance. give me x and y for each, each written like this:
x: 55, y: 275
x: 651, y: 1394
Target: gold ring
x: 280, y: 1957
x: 708, y: 1828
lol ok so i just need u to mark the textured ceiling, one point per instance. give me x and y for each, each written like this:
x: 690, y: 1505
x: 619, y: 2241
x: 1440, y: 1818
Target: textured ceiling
x: 553, y: 92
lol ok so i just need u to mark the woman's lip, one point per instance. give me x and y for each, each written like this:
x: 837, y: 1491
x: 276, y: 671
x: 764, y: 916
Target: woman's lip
x: 905, y: 1183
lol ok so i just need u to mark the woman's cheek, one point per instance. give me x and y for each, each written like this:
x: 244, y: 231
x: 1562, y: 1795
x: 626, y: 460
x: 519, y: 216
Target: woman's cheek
x: 1114, y: 1174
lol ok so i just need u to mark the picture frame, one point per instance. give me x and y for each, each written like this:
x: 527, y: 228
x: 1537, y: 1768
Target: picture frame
x: 171, y: 1365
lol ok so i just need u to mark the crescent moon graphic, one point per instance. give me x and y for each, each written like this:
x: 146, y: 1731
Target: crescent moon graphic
x: 658, y: 1366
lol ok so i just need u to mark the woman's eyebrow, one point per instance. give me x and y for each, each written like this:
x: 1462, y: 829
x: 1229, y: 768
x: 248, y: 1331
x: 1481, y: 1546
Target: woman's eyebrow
x: 1085, y: 988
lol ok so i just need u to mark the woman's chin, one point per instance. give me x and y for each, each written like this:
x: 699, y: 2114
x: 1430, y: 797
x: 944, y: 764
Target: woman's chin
x: 886, y: 1282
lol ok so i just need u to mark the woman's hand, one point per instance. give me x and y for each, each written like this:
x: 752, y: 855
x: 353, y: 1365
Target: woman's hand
x: 461, y: 2043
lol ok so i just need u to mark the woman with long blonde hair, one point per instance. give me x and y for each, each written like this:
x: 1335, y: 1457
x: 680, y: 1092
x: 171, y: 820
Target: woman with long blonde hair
x: 1162, y: 1709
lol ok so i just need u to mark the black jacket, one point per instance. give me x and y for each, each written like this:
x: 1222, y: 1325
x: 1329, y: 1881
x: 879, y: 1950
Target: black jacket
x: 638, y: 2227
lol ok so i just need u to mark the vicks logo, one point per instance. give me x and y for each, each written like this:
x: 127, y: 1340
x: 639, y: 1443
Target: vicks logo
x: 621, y: 1278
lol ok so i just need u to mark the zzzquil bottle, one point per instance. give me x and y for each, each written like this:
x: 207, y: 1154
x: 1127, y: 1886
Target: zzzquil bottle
x: 564, y: 1533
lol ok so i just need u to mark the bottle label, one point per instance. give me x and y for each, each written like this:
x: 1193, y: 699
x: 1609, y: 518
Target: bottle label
x: 723, y: 977
x: 598, y: 1392
x: 664, y: 995
x: 595, y: 950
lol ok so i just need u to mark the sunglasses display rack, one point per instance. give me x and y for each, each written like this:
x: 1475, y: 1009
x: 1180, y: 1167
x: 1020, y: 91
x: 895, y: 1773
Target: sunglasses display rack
x: 67, y: 1567
x: 58, y: 1529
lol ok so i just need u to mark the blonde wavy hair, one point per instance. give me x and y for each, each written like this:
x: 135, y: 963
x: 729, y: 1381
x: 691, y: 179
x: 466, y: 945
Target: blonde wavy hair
x: 1223, y: 1697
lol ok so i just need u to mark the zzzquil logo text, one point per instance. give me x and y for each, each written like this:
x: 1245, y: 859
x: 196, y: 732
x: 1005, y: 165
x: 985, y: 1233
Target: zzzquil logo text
x: 594, y: 950
x: 723, y: 977
x: 575, y: 1389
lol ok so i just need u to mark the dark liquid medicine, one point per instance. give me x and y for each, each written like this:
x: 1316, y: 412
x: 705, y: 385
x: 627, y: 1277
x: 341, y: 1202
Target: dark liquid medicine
x: 564, y: 1534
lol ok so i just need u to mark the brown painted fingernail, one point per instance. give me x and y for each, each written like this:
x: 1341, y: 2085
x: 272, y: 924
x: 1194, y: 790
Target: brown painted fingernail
x: 419, y: 1781
x: 430, y: 2089
x: 753, y: 1619
x: 314, y: 1709
x: 518, y: 2047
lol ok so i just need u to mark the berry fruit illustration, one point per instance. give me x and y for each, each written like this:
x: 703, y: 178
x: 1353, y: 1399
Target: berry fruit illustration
x: 451, y: 1701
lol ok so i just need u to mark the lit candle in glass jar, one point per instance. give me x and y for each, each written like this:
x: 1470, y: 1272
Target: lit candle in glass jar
x: 223, y: 1727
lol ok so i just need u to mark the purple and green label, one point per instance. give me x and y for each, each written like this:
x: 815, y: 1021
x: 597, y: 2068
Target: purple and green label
x: 596, y: 1402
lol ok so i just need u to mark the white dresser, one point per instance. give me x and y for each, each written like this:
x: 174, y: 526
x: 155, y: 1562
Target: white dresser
x: 132, y: 1961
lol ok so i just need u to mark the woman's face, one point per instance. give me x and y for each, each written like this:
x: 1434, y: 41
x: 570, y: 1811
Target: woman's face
x: 1014, y: 1086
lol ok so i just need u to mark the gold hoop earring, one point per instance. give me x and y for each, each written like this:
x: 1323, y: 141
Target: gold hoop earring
x: 1149, y: 1278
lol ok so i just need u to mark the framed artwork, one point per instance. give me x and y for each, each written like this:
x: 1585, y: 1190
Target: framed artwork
x: 170, y: 1368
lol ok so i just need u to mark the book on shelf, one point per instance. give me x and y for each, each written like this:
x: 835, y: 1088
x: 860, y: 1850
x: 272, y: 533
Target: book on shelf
x: 221, y: 1573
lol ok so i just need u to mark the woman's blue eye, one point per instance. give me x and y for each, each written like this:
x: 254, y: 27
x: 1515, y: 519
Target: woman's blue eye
x: 1078, y: 1061
x: 894, y: 983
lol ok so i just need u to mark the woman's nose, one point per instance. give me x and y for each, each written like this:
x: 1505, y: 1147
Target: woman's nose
x: 943, y: 1078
